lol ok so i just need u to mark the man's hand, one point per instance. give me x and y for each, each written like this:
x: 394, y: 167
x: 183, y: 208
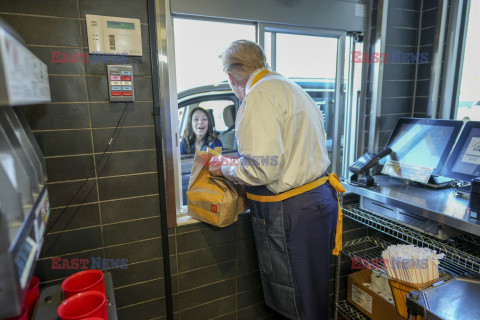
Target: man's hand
x: 215, y: 165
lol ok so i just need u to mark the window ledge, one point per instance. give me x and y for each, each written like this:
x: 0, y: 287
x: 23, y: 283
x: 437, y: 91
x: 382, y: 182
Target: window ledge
x: 185, y: 219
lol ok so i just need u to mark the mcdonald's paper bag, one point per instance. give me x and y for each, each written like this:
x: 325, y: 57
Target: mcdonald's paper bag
x: 214, y: 200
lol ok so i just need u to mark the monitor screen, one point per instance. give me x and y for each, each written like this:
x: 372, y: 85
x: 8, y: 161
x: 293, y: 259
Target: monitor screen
x: 423, y: 142
x: 464, y: 163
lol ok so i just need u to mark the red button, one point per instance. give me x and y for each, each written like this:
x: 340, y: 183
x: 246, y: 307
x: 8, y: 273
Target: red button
x: 127, y: 93
x: 116, y: 93
x: 126, y: 78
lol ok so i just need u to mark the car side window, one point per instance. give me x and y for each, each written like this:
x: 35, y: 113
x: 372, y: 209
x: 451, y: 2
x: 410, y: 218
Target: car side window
x: 217, y: 109
x: 222, y: 113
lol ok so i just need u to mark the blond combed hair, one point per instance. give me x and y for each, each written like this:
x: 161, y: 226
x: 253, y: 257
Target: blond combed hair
x: 242, y: 57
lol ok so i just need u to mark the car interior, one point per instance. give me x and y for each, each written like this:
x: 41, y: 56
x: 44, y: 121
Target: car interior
x: 228, y: 137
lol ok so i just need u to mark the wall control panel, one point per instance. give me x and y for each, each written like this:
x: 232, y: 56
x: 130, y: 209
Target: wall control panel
x: 120, y: 83
x: 112, y: 35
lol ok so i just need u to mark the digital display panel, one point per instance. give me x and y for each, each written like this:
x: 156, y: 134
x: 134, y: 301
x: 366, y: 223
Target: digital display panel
x: 423, y: 142
x: 120, y: 25
x: 464, y: 163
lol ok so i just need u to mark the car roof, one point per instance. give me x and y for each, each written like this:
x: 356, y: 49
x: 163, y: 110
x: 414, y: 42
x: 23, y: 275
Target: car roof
x: 306, y: 83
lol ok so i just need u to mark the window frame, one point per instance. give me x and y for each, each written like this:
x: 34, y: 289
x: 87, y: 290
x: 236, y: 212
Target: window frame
x: 171, y: 147
x: 454, y: 56
x: 343, y: 103
x: 173, y: 167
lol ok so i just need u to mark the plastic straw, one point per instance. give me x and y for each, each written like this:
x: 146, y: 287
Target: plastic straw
x: 421, y: 264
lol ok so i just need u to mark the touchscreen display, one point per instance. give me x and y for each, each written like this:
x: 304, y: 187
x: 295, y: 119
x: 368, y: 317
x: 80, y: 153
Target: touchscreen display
x: 468, y: 160
x: 420, y: 144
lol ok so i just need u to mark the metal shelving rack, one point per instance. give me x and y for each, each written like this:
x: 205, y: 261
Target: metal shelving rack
x: 349, y: 311
x: 461, y: 253
x: 367, y: 249
x: 460, y: 258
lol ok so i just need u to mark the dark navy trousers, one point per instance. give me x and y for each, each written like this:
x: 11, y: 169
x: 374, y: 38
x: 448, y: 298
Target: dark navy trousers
x: 310, y: 224
x: 294, y: 240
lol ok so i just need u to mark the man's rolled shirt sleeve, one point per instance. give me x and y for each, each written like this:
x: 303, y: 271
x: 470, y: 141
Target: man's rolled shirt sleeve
x: 259, y: 136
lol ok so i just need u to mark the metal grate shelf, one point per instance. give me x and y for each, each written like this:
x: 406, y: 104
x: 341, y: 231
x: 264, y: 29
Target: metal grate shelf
x: 467, y: 243
x: 349, y: 311
x: 367, y: 249
x: 455, y: 262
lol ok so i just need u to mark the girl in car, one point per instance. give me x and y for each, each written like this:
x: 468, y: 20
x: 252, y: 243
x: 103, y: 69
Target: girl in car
x: 199, y: 133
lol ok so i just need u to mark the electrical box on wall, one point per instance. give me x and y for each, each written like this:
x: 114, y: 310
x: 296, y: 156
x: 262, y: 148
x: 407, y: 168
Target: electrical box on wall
x: 23, y: 77
x: 112, y: 35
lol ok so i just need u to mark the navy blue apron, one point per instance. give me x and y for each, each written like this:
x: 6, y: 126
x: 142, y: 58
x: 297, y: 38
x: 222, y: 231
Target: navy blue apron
x: 294, y: 238
x: 294, y: 234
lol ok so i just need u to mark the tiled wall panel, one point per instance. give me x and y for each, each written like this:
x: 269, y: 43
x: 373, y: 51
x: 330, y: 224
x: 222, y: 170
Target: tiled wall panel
x: 116, y: 213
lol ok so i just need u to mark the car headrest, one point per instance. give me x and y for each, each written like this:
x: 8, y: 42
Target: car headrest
x: 212, y: 118
x: 229, y: 115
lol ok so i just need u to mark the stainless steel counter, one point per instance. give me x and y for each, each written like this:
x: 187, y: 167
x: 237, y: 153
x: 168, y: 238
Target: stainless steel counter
x: 452, y: 300
x: 442, y: 206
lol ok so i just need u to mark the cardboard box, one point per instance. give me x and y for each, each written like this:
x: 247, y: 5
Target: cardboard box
x: 366, y: 300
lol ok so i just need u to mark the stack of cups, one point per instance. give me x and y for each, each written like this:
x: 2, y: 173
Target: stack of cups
x: 85, y: 297
x: 33, y: 294
x: 31, y: 298
x: 23, y: 314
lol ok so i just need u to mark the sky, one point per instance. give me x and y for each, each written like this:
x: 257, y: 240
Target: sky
x: 198, y: 44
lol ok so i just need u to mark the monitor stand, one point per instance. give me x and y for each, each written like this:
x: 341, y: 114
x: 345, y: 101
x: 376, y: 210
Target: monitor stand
x: 363, y: 180
x: 439, y: 182
x: 464, y: 189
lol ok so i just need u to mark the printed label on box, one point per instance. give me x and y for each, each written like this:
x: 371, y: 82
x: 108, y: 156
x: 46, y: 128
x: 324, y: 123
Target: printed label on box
x: 362, y: 298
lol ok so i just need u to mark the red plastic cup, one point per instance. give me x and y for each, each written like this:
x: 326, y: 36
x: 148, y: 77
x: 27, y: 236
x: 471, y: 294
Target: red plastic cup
x: 33, y: 294
x: 88, y: 280
x: 23, y: 315
x: 92, y: 318
x: 84, y: 305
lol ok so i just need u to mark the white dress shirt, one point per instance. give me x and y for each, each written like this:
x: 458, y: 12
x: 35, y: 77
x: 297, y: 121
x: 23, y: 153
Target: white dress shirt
x: 280, y: 136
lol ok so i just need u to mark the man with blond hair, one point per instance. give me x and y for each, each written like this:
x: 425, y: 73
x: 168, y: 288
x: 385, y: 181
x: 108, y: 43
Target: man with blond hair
x: 282, y: 163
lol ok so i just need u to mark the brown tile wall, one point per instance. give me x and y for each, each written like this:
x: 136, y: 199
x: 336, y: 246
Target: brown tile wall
x: 217, y: 274
x: 116, y: 214
x: 410, y: 28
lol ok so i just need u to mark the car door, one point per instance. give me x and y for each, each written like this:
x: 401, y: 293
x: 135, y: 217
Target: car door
x: 218, y: 105
x: 322, y: 91
x: 325, y: 101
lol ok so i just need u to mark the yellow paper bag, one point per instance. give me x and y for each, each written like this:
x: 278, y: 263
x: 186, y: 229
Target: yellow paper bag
x: 214, y: 200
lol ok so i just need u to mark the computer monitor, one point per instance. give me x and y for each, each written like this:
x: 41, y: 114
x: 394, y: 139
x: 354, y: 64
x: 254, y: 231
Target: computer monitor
x: 464, y: 162
x: 423, y: 142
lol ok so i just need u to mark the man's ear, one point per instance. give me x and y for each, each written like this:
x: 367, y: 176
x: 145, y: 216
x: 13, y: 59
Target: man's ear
x: 232, y: 79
